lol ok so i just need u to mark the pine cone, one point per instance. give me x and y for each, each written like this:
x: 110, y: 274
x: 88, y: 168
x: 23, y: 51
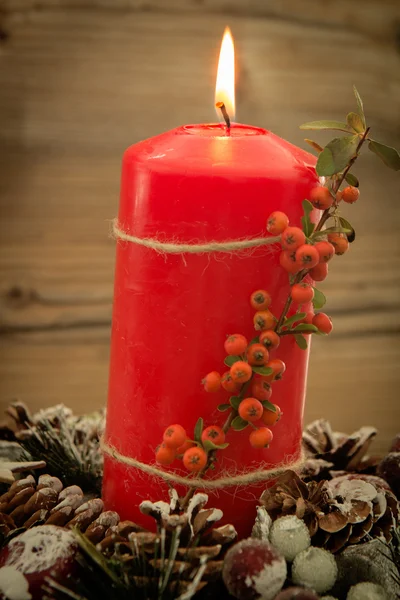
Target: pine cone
x: 332, y: 453
x: 339, y: 512
x: 197, y: 542
x: 27, y: 504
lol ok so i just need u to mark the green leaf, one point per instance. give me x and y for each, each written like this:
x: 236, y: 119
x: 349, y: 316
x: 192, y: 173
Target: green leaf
x: 348, y: 226
x: 301, y: 341
x: 355, y: 122
x: 321, y: 125
x: 308, y: 227
x: 235, y: 401
x: 209, y: 445
x: 360, y: 106
x: 231, y: 360
x: 263, y: 370
x: 336, y: 155
x: 223, y: 407
x: 314, y: 145
x: 352, y: 180
x: 294, y: 318
x: 306, y: 327
x: 387, y: 154
x: 255, y: 340
x: 268, y: 405
x: 323, y: 232
x: 238, y: 424
x: 198, y: 429
x: 319, y: 299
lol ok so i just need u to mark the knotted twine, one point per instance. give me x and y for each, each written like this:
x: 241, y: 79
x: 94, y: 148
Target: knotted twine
x: 245, y: 478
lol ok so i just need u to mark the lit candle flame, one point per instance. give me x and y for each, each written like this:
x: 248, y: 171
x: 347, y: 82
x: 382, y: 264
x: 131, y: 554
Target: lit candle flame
x: 225, y: 87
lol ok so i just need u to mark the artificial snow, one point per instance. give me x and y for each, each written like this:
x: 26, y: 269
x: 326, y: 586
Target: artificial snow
x: 290, y: 536
x: 315, y: 568
x: 13, y: 584
x: 367, y: 591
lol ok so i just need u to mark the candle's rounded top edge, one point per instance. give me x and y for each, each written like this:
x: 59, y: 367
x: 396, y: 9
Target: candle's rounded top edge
x: 219, y: 130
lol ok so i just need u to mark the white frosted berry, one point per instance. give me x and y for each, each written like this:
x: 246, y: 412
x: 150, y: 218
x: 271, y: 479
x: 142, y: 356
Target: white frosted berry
x: 290, y: 536
x: 14, y: 584
x: 328, y: 598
x: 315, y: 568
x: 254, y: 570
x: 367, y: 591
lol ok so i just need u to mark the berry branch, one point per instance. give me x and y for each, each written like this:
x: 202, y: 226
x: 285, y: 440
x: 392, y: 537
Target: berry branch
x: 305, y: 255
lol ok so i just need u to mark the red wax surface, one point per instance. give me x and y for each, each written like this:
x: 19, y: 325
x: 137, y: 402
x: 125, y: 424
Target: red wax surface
x: 172, y: 313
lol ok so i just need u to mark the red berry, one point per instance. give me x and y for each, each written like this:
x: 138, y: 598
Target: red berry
x: 277, y: 222
x: 307, y: 319
x: 261, y: 438
x: 319, y: 272
x: 269, y: 417
x: 165, y: 455
x: 212, y: 381
x: 270, y: 339
x: 261, y: 390
x: 257, y: 355
x: 325, y: 250
x: 235, y: 344
x: 287, y: 260
x: 250, y: 409
x: 307, y: 256
x: 302, y: 293
x: 323, y: 322
x: 278, y: 367
x: 214, y: 434
x: 182, y: 449
x: 292, y: 238
x: 321, y: 198
x: 241, y: 371
x: 195, y: 459
x: 340, y: 242
x: 260, y: 300
x: 264, y: 319
x: 228, y: 384
x: 350, y: 194
x: 174, y: 436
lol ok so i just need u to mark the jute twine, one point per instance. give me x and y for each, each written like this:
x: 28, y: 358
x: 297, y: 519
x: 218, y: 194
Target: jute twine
x: 172, y: 247
x: 230, y: 480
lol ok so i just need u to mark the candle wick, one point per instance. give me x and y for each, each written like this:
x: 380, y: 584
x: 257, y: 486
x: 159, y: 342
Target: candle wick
x: 224, y: 112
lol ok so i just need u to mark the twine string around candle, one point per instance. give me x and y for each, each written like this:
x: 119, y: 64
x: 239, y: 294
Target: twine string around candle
x: 252, y: 477
x: 172, y: 247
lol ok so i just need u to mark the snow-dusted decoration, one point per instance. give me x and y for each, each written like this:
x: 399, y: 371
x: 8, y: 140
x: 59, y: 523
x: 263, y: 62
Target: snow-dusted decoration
x: 315, y: 568
x: 290, y: 536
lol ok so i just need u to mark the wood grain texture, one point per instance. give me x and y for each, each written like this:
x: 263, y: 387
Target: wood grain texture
x: 78, y: 86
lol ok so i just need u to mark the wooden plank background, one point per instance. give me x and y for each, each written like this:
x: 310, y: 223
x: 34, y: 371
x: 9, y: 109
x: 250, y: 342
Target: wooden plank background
x: 79, y: 82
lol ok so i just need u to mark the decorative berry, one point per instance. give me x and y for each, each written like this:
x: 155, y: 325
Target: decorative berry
x: 241, y: 371
x: 307, y: 319
x: 264, y: 319
x: 350, y: 194
x: 212, y: 381
x: 319, y: 272
x: 235, y: 344
x: 174, y: 436
x: 261, y: 389
x: 261, y: 438
x: 307, y: 256
x: 340, y: 242
x: 389, y: 469
x: 367, y: 591
x: 321, y: 198
x: 278, y: 367
x: 270, y: 339
x: 35, y: 554
x: 182, y: 449
x: 297, y: 593
x: 257, y: 355
x: 250, y: 409
x: 292, y: 238
x: 195, y: 459
x: 165, y: 455
x: 315, y: 568
x: 214, y: 434
x: 323, y: 322
x: 287, y: 260
x: 260, y: 300
x: 228, y: 384
x: 290, y: 536
x: 326, y: 250
x: 254, y: 570
x: 302, y: 293
x: 277, y: 222
x: 270, y: 417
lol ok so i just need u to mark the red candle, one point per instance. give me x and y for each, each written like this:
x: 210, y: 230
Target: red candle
x: 172, y: 312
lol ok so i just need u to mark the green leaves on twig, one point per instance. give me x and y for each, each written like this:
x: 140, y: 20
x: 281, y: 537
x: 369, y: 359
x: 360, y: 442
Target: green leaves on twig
x: 308, y: 227
x: 319, y: 299
x: 387, y: 154
x: 336, y: 155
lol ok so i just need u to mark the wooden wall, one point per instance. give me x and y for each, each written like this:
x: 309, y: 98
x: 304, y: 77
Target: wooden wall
x: 79, y: 82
